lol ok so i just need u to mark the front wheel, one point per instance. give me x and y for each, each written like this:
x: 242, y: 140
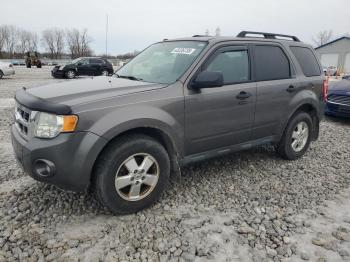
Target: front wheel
x: 131, y: 174
x: 70, y: 74
x: 297, y: 137
x: 1, y: 74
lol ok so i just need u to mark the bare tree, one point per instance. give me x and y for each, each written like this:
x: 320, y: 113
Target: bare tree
x: 53, y: 41
x: 10, y: 38
x: 323, y: 37
x: 2, y: 39
x: 78, y: 42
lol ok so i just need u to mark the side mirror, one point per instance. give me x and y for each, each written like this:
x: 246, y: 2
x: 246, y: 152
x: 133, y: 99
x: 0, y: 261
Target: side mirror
x: 207, y: 79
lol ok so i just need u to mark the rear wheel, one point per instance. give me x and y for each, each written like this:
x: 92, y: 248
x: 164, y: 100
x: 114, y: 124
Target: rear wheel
x: 1, y: 74
x: 105, y: 73
x: 29, y: 65
x: 131, y: 174
x: 70, y: 74
x: 297, y: 137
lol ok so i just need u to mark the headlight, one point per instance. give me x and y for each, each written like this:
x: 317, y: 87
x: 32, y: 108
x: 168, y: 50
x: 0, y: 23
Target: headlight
x: 49, y: 125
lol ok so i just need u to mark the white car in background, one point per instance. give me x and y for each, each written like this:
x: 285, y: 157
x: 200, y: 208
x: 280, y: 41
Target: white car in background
x: 6, y: 69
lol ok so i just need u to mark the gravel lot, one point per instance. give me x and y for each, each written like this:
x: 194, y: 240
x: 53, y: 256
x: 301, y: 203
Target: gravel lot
x: 249, y: 206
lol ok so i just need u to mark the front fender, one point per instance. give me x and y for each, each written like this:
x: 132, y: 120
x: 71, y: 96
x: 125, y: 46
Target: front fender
x: 119, y: 120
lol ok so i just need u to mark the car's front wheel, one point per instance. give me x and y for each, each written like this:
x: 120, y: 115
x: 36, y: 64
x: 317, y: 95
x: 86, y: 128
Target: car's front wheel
x: 297, y: 137
x: 1, y: 74
x: 131, y: 174
x: 70, y: 74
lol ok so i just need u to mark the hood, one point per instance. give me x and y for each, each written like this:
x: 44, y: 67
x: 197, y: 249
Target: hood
x: 342, y: 86
x: 75, y: 92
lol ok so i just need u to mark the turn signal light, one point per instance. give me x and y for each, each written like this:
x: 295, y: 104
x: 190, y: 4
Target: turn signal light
x: 69, y: 123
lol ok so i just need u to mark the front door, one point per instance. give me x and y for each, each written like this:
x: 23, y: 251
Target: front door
x: 221, y: 116
x: 83, y: 67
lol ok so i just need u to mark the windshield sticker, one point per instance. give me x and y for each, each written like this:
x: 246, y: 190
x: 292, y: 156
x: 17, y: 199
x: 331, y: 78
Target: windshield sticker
x: 182, y: 50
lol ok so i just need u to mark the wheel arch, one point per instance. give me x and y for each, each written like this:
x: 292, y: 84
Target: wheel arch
x: 155, y: 133
x: 310, y: 108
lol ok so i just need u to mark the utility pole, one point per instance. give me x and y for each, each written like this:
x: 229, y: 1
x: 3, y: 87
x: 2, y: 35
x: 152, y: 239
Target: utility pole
x: 106, y: 34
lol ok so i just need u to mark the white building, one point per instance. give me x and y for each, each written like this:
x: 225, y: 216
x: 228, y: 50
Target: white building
x: 336, y: 53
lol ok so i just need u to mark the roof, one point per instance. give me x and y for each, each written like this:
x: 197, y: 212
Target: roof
x: 331, y: 42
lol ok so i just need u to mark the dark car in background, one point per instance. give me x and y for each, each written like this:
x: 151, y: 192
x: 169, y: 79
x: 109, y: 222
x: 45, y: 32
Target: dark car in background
x: 338, y: 98
x: 88, y: 66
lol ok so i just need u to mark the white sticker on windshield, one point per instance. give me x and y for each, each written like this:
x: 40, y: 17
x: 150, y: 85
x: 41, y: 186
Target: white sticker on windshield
x: 183, y: 50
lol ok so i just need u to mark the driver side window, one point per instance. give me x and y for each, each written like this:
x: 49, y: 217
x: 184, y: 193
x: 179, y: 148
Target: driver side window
x: 234, y: 66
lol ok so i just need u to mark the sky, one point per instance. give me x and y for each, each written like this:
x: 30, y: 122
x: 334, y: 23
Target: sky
x: 135, y: 24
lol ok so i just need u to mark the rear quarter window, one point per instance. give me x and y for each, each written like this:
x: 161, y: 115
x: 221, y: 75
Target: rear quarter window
x: 306, y: 60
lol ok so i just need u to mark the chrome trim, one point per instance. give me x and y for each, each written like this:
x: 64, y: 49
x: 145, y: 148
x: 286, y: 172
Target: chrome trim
x: 337, y: 103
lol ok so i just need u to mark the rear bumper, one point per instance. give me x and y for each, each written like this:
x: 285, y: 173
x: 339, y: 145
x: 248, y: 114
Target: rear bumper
x: 71, y: 155
x: 335, y: 109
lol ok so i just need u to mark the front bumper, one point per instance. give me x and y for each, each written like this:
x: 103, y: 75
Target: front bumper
x: 73, y: 156
x: 336, y: 109
x: 8, y: 72
x: 57, y: 73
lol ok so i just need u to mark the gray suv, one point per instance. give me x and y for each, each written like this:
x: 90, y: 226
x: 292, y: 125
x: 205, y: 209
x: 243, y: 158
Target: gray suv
x: 177, y: 102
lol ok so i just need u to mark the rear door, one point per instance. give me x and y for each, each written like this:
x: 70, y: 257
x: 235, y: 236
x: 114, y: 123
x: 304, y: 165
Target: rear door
x: 274, y: 74
x: 96, y: 66
x: 221, y: 116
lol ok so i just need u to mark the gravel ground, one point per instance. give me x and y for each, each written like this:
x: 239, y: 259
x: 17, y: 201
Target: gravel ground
x: 249, y: 206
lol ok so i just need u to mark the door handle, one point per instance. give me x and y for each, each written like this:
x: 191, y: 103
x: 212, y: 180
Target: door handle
x: 291, y: 89
x: 243, y: 95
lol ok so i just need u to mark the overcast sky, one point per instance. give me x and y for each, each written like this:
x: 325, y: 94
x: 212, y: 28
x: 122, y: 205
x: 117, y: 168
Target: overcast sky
x: 135, y: 24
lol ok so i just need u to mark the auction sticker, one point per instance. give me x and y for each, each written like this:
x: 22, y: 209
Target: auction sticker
x: 183, y: 50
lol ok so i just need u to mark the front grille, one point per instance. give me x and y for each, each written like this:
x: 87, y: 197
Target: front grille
x: 339, y: 99
x: 22, y: 120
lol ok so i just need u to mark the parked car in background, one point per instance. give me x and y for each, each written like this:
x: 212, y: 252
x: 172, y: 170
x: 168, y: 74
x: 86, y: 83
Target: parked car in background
x: 177, y: 102
x: 6, y: 69
x: 15, y: 62
x: 90, y: 66
x: 338, y: 98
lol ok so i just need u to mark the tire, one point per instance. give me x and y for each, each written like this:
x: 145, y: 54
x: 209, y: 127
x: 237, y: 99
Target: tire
x: 38, y: 65
x: 112, y: 165
x: 70, y: 74
x: 1, y: 74
x: 295, y: 141
x: 29, y: 65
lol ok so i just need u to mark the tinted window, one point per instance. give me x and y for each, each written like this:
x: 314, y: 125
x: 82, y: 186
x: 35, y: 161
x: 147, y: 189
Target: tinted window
x: 271, y: 63
x: 96, y: 61
x: 306, y: 60
x: 234, y: 65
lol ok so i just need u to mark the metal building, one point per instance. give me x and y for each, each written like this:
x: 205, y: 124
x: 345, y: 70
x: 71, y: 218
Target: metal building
x: 336, y: 54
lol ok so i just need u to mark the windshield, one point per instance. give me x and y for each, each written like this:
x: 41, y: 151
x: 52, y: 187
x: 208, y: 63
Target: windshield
x: 76, y: 60
x: 162, y: 63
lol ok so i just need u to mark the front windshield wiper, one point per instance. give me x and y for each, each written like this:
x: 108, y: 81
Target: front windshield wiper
x: 129, y: 77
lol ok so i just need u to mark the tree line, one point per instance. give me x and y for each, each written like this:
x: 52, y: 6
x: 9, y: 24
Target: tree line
x: 15, y: 42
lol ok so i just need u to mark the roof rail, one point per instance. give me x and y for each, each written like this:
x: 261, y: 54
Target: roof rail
x: 267, y: 35
x: 200, y: 36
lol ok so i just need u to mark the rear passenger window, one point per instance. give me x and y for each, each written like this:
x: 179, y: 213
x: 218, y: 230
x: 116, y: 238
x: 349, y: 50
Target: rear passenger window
x: 271, y: 63
x: 306, y: 60
x: 96, y: 61
x: 234, y: 65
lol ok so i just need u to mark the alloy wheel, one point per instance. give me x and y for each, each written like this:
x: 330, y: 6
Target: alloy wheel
x: 136, y: 177
x: 300, y: 136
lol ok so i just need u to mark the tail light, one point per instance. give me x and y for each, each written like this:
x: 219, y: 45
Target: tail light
x: 325, y: 89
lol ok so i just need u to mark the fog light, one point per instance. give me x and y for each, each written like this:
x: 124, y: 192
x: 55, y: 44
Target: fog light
x: 44, y: 168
